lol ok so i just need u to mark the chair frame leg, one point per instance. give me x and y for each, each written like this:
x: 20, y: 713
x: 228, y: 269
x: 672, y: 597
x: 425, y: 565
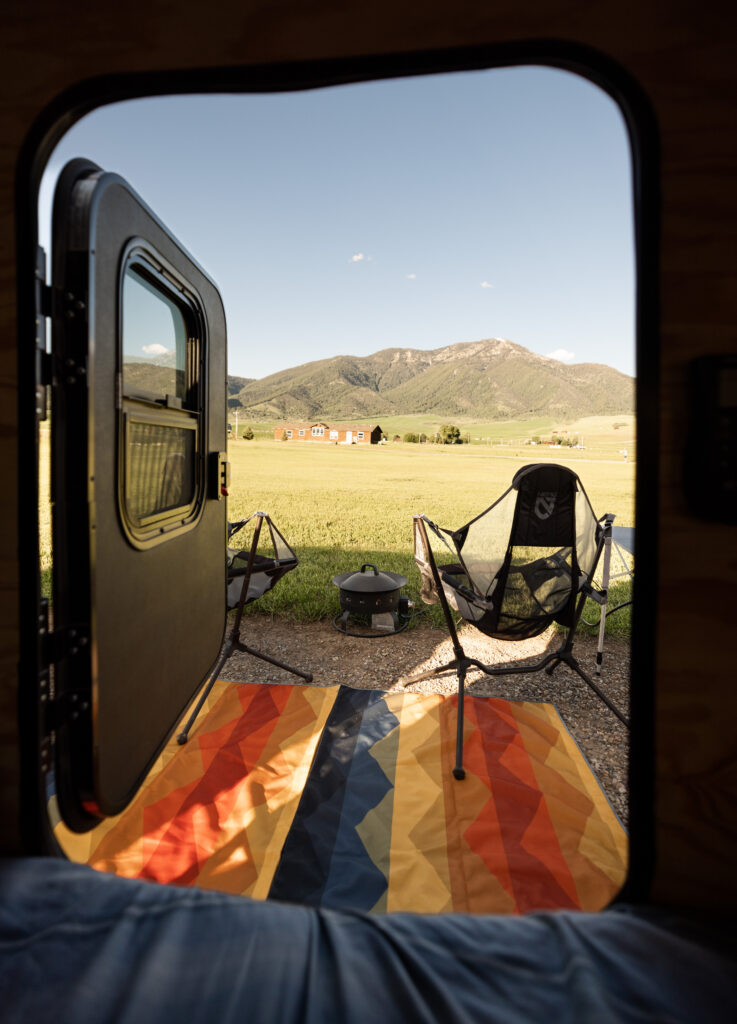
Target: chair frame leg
x: 235, y: 643
x: 461, y: 663
x: 459, y: 772
x: 239, y: 645
x: 549, y: 663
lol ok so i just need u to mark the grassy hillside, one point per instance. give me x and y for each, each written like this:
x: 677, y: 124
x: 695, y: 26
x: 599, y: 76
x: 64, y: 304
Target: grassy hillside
x: 489, y: 380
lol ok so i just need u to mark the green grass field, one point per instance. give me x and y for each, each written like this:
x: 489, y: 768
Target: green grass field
x: 342, y: 506
x: 604, y: 436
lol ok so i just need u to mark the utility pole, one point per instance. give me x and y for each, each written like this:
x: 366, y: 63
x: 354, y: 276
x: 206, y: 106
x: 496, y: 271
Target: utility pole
x: 236, y: 424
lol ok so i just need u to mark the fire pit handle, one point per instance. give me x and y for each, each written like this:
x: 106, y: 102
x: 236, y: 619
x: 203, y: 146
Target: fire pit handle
x: 370, y: 565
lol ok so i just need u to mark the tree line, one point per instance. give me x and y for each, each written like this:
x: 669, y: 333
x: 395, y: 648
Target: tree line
x: 448, y: 434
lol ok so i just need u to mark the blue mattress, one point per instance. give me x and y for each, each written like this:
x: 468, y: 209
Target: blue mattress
x: 78, y: 946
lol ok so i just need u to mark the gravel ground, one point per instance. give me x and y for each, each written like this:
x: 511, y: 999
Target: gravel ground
x: 383, y: 664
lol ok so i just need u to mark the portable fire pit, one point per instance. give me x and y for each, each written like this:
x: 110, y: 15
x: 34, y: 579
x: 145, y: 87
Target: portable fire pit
x: 374, y: 598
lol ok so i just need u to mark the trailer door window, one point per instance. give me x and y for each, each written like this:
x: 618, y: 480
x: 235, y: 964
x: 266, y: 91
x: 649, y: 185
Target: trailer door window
x: 160, y: 430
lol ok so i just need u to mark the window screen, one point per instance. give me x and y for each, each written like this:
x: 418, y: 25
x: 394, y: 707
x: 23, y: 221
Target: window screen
x: 159, y: 461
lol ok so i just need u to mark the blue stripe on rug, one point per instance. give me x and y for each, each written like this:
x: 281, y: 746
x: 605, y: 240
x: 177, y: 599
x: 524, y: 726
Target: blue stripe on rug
x: 323, y: 862
x: 366, y: 787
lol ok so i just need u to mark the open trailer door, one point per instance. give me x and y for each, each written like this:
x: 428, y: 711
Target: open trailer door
x: 139, y: 469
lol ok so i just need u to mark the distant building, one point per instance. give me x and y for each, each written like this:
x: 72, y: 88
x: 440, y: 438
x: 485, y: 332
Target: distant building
x: 356, y: 433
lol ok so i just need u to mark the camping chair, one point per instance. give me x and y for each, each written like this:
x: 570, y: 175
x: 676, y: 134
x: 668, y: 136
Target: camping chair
x: 524, y: 563
x: 250, y: 576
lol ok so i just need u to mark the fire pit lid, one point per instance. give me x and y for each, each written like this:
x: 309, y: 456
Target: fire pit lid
x: 364, y: 582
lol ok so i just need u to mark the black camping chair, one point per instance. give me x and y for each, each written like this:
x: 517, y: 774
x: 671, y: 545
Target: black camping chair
x: 250, y: 576
x: 524, y: 563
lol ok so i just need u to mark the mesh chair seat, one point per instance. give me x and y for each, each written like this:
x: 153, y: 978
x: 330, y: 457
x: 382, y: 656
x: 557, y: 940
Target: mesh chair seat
x: 265, y: 570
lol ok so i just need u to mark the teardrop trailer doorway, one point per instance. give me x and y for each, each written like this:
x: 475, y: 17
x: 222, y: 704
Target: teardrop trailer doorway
x: 171, y: 410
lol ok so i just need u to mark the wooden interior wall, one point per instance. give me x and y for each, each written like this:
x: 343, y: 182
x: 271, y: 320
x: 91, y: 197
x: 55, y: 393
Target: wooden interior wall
x: 683, y: 56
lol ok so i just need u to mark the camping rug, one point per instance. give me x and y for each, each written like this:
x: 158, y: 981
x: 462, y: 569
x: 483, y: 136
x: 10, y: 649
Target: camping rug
x: 344, y: 798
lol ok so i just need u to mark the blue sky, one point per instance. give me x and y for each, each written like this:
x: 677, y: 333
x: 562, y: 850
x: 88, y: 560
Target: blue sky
x: 413, y: 213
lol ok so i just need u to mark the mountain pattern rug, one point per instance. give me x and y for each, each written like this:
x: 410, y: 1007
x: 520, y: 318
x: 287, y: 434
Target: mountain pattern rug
x: 344, y: 798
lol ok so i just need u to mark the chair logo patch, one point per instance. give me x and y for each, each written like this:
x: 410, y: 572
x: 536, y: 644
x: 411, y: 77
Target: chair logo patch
x: 545, y: 504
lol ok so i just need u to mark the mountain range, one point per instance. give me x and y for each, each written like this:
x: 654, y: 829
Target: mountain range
x: 484, y: 380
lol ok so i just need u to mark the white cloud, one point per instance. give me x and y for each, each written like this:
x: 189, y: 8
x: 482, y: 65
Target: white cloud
x: 485, y: 284
x: 562, y: 355
x: 156, y: 350
x: 357, y: 257
x: 411, y: 277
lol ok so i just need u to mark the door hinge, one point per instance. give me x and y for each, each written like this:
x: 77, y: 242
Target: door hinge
x: 58, y: 644
x: 45, y: 300
x: 54, y: 646
x: 69, y: 706
x: 43, y: 382
x: 64, y: 643
x: 44, y: 368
